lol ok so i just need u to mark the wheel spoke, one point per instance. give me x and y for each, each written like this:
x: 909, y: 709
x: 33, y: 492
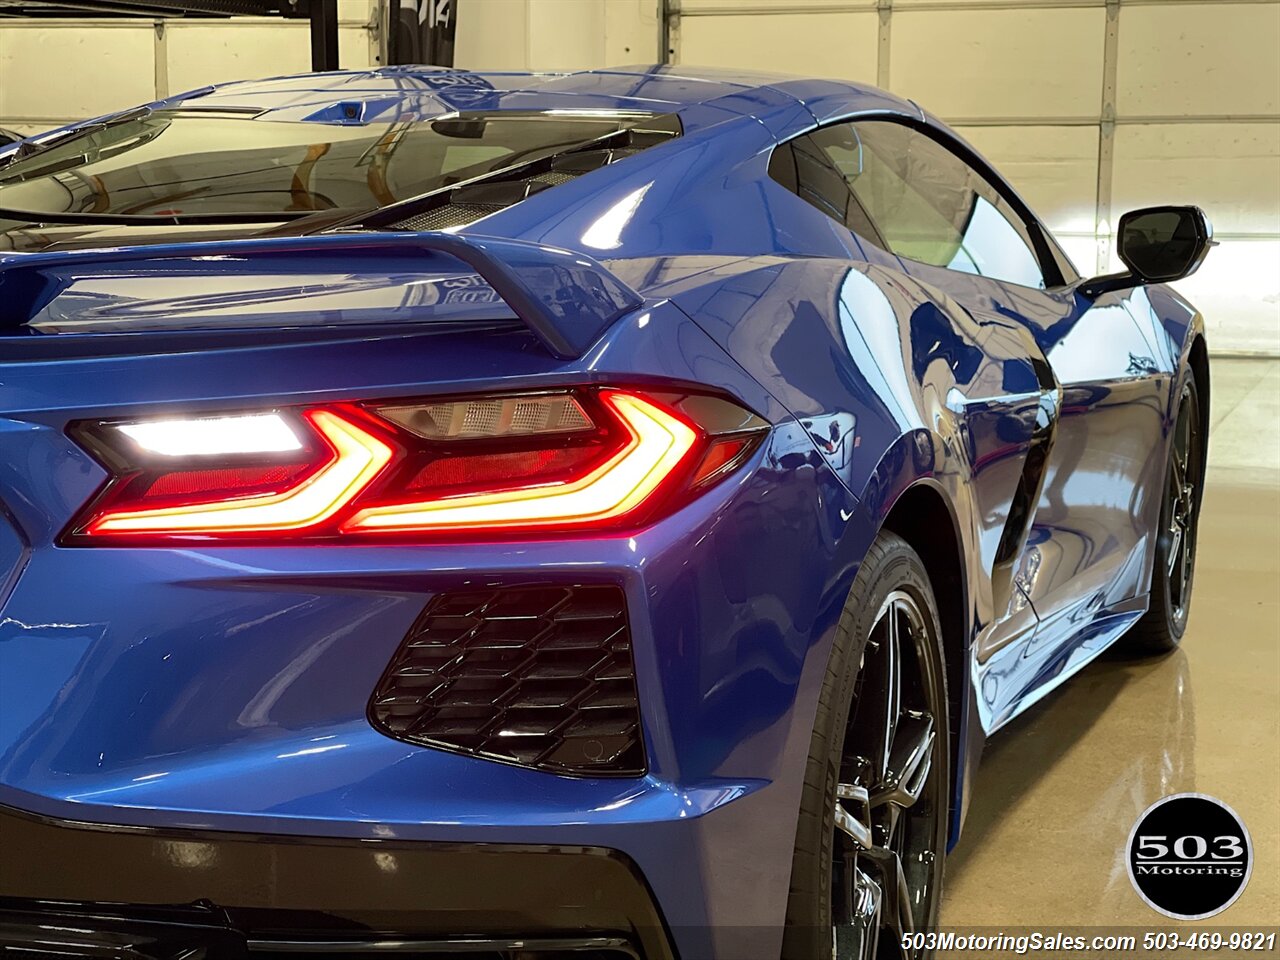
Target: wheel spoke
x: 1175, y: 546
x: 906, y: 918
x: 893, y: 671
x: 1182, y: 436
x: 1178, y: 538
x: 887, y: 799
x: 910, y: 760
x: 895, y: 907
x: 859, y: 939
x: 853, y: 813
x: 1186, y: 432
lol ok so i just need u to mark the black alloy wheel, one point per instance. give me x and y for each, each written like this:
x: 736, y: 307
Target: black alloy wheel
x: 886, y: 857
x: 1173, y: 575
x: 881, y: 749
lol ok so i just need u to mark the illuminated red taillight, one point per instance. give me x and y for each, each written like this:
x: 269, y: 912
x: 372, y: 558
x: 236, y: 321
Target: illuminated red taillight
x: 353, y: 457
x: 655, y: 445
x: 471, y: 466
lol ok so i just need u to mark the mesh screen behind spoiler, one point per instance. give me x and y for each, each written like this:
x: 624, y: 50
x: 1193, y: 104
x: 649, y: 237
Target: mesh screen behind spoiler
x: 464, y: 203
x: 566, y: 299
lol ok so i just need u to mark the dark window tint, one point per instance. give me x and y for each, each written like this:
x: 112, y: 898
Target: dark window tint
x: 192, y: 163
x: 930, y: 206
x: 782, y: 167
x: 814, y: 167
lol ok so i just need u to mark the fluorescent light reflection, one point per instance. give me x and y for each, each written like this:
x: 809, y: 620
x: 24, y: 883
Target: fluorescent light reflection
x: 606, y: 232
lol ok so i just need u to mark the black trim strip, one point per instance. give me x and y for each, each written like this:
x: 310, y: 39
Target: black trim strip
x: 1026, y: 497
x: 44, y: 217
x: 290, y: 889
x: 414, y: 947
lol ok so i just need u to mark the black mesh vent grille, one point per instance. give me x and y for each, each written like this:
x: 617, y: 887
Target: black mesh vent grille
x: 539, y: 676
x: 554, y: 178
x: 450, y: 215
x: 467, y: 202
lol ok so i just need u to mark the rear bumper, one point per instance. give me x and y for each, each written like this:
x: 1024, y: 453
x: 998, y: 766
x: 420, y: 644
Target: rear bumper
x: 194, y: 692
x: 246, y: 895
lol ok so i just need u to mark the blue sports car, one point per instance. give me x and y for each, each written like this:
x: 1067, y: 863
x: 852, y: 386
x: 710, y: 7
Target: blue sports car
x: 537, y: 515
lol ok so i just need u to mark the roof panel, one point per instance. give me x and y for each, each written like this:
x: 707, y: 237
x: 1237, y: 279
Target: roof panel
x: 702, y: 96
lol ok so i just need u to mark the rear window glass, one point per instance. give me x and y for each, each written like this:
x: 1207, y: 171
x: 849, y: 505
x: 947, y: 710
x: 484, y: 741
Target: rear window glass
x: 191, y: 163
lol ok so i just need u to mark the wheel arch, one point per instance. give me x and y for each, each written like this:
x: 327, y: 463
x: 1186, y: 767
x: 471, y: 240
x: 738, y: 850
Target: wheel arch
x: 1198, y: 360
x: 923, y: 516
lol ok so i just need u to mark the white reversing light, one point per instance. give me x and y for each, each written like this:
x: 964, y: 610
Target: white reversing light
x: 210, y: 436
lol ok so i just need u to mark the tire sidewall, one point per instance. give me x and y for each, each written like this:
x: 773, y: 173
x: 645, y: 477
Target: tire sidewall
x: 890, y: 565
x: 1176, y: 629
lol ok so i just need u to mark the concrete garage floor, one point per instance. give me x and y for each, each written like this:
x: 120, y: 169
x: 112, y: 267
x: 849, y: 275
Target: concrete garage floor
x: 1060, y: 788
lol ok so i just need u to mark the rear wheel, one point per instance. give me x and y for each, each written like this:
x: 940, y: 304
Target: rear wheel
x: 1165, y: 621
x: 872, y: 829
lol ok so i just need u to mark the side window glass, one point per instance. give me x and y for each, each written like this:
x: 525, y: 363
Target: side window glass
x: 929, y: 205
x: 997, y: 248
x: 818, y: 180
x: 816, y: 167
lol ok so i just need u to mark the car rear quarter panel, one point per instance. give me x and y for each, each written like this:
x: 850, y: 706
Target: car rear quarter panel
x: 225, y: 688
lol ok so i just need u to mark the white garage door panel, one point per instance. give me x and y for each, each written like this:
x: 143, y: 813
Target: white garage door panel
x: 570, y: 31
x: 71, y: 72
x: 493, y: 36
x: 1082, y: 252
x: 1055, y: 169
x: 773, y: 7
x: 1238, y: 291
x: 630, y: 32
x: 1199, y: 60
x: 837, y: 45
x: 355, y: 52
x: 1232, y: 170
x: 970, y: 4
x: 200, y: 54
x: 361, y: 10
x: 999, y: 63
x: 29, y: 129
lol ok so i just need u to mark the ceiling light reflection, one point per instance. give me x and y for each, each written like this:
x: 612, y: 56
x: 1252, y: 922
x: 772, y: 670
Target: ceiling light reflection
x: 606, y: 232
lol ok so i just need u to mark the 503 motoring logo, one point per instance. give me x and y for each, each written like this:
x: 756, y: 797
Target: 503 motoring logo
x: 1189, y: 856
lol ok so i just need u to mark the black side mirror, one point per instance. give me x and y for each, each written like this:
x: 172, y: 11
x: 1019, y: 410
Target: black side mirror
x: 1158, y: 245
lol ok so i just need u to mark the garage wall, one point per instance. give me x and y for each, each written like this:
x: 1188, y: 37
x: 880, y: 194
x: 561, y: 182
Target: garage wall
x: 555, y: 34
x: 1090, y: 108
x: 55, y: 71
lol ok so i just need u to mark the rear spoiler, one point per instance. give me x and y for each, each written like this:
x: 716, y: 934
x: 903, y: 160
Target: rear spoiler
x: 566, y: 299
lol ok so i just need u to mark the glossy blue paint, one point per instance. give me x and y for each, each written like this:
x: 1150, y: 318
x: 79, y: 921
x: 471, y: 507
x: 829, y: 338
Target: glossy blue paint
x: 225, y: 687
x: 527, y: 278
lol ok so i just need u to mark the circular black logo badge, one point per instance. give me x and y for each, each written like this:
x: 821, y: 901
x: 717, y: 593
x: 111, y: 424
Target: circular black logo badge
x: 1189, y: 856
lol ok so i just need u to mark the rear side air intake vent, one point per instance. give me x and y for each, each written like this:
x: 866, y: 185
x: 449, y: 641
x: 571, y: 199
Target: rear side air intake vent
x: 537, y: 676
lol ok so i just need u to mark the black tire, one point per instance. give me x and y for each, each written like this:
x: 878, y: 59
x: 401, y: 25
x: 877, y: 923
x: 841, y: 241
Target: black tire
x: 821, y: 869
x: 1162, y: 626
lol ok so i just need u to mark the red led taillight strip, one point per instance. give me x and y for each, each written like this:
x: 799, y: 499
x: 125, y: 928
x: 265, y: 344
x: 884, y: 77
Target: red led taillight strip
x: 357, y: 457
x: 659, y: 443
x: 508, y: 464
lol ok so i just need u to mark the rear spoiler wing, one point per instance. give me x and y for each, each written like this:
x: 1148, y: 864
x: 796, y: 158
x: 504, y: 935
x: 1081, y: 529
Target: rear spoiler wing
x: 566, y: 299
